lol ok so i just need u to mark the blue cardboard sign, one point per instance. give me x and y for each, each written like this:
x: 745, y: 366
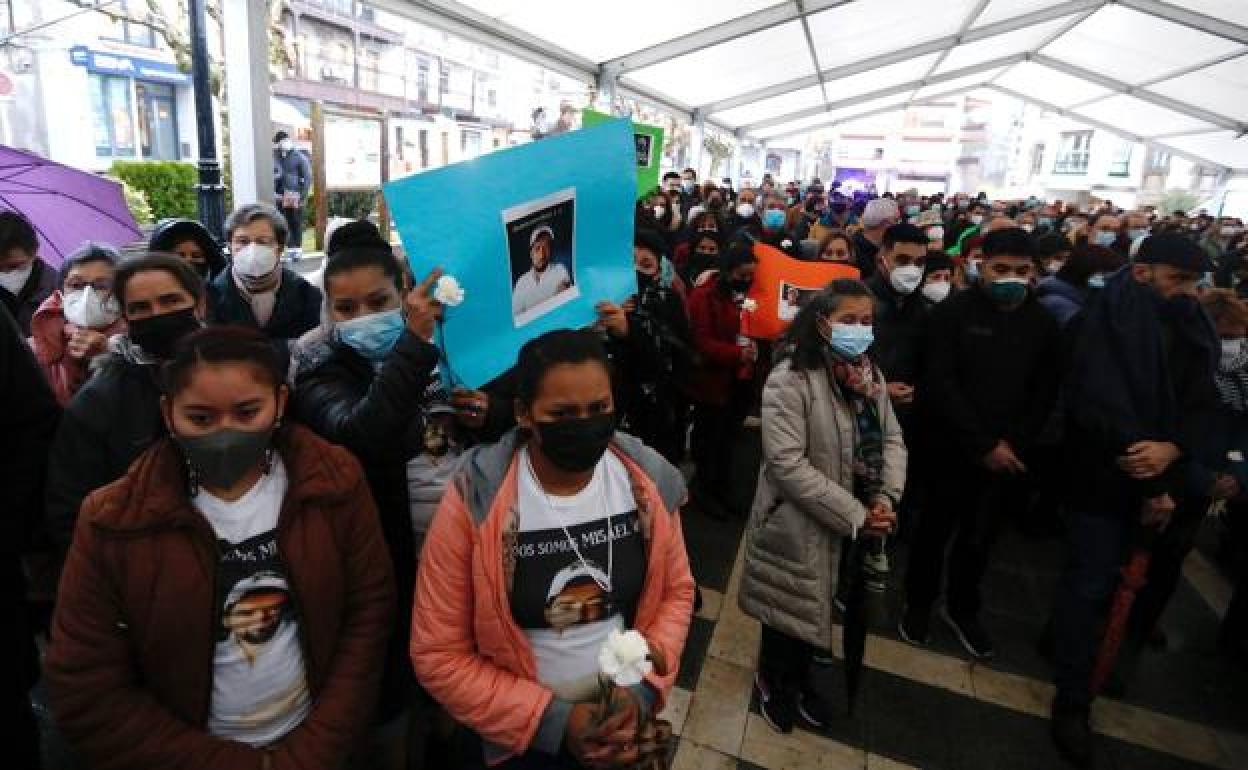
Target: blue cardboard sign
x: 536, y: 235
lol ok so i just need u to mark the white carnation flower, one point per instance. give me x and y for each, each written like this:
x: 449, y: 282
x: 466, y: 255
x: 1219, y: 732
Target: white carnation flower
x: 749, y: 305
x: 625, y: 658
x: 448, y: 291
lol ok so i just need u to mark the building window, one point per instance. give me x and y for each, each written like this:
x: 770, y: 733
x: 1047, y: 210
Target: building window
x: 444, y: 80
x: 113, y: 117
x: 491, y: 97
x: 422, y: 82
x: 424, y: 149
x: 1037, y: 159
x: 158, y: 122
x: 134, y: 32
x: 1120, y: 163
x: 1158, y: 162
x: 1072, y: 153
x: 470, y: 144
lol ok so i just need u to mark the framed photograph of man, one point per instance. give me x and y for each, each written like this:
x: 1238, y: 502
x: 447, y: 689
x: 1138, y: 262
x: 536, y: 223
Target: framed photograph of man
x: 541, y: 251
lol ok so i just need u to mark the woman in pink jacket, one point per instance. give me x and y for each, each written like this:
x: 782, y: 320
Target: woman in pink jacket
x: 73, y: 325
x: 544, y: 544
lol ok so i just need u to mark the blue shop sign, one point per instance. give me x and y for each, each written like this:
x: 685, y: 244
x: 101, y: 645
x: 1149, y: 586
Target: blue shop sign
x: 106, y: 63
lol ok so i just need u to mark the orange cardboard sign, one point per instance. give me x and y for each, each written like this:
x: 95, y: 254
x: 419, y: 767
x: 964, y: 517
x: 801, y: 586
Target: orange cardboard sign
x: 780, y: 286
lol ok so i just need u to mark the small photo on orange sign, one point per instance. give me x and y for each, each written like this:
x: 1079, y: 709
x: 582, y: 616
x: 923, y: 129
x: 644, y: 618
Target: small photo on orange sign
x: 781, y: 285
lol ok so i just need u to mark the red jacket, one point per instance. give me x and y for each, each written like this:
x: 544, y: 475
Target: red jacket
x: 715, y: 320
x: 129, y: 668
x: 49, y: 338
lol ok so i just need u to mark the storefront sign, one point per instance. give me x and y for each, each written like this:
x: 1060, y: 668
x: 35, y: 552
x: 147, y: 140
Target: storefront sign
x: 105, y: 63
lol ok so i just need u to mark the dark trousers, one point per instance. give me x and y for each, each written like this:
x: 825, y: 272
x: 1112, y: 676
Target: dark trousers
x: 19, y: 667
x: 1165, y: 569
x: 1096, y: 547
x: 784, y: 661
x: 1235, y: 623
x: 715, y: 432
x: 965, y: 503
x: 294, y: 226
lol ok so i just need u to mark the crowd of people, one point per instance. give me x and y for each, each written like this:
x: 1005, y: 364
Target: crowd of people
x: 257, y: 529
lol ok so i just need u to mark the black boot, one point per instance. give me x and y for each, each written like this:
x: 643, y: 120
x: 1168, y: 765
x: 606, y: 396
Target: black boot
x: 1072, y: 734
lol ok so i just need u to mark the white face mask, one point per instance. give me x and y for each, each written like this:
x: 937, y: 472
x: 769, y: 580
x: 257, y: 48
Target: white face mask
x: 89, y: 309
x: 286, y: 145
x: 1053, y: 266
x: 906, y: 279
x: 936, y: 292
x: 977, y: 219
x: 1027, y: 227
x: 14, y: 280
x: 1230, y: 231
x: 255, y: 261
x: 659, y: 211
x: 1231, y: 349
x: 936, y: 234
x: 745, y: 210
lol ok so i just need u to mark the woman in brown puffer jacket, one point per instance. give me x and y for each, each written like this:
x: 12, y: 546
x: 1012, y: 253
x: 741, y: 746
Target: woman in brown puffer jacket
x: 226, y: 602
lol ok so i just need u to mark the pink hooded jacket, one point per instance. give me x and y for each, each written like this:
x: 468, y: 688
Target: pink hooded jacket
x: 49, y: 338
x: 468, y: 651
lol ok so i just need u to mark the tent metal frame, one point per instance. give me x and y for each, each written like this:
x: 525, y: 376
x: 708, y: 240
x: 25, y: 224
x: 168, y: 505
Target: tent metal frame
x: 613, y: 75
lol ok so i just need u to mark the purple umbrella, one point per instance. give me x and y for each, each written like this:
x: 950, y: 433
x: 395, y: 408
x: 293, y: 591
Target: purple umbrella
x: 66, y: 206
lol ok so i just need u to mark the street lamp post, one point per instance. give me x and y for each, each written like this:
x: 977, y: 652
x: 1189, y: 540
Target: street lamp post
x: 211, y: 191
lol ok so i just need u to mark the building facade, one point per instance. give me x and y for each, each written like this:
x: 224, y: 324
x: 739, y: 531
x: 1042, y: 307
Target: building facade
x: 88, y: 90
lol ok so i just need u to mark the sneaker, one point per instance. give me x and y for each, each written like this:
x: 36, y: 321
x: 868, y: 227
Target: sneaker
x: 972, y: 635
x: 914, y: 626
x: 779, y: 708
x: 1072, y: 735
x: 814, y: 709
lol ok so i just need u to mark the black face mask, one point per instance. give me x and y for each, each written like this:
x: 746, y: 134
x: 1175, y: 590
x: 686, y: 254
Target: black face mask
x: 220, y: 459
x: 576, y: 444
x: 645, y: 281
x: 738, y: 286
x: 158, y: 334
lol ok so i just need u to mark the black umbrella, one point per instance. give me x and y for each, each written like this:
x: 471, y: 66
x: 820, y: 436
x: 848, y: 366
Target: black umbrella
x: 863, y: 596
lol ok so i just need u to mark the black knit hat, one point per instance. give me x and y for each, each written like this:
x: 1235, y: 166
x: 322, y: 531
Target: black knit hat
x: 648, y: 239
x: 1174, y: 250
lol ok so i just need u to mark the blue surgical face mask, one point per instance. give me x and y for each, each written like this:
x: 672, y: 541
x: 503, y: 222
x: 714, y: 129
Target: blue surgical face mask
x: 1044, y: 222
x: 1136, y: 233
x: 1105, y: 238
x: 1096, y: 281
x: 912, y: 210
x: 372, y: 336
x: 773, y: 219
x: 851, y: 340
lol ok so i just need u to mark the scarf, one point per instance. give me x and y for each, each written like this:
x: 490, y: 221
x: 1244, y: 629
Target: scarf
x: 857, y: 382
x: 1232, y: 382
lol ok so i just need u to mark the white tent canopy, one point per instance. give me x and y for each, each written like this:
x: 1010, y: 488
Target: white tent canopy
x: 1171, y: 73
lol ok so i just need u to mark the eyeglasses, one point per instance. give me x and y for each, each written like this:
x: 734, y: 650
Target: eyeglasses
x: 99, y: 284
x: 242, y: 242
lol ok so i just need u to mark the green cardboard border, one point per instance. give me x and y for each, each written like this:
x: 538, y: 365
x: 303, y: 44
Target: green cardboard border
x: 648, y: 177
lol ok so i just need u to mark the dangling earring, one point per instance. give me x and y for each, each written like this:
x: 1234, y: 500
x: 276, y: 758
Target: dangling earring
x: 192, y: 478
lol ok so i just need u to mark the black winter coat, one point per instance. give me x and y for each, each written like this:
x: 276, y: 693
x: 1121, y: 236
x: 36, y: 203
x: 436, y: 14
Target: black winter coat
x: 900, y: 322
x: 111, y: 420
x: 297, y: 311
x: 652, y: 367
x: 377, y: 415
x: 1138, y: 374
x: 988, y: 375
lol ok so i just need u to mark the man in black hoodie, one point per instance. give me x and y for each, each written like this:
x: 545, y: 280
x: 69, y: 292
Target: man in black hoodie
x: 989, y: 384
x: 27, y: 427
x: 1139, y: 387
